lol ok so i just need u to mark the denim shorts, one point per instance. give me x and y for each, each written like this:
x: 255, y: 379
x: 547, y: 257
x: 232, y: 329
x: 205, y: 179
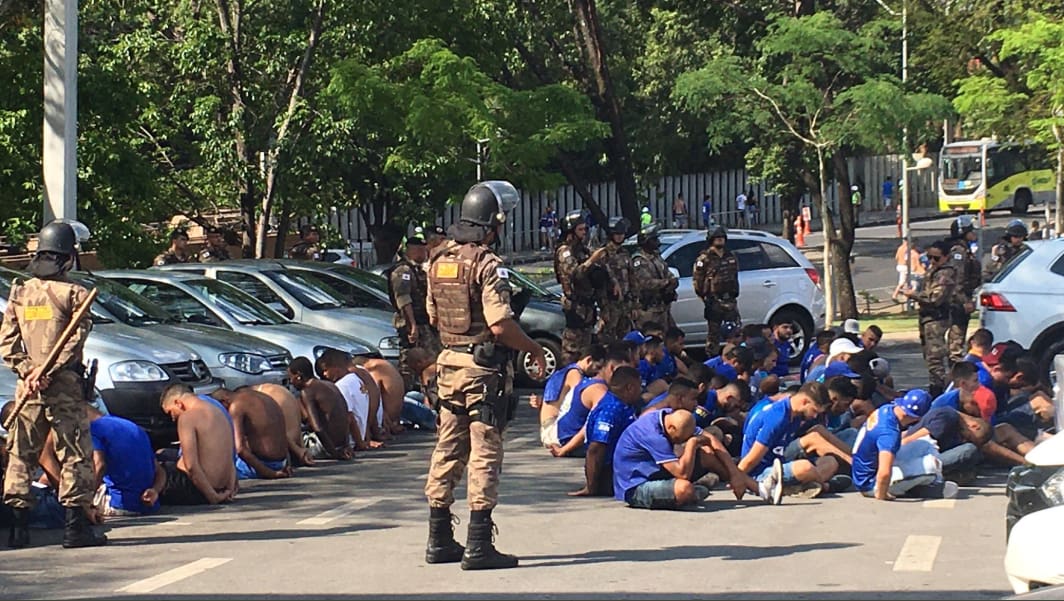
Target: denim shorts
x: 659, y: 492
x: 788, y: 474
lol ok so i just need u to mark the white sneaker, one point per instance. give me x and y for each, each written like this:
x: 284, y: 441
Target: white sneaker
x: 771, y: 487
x: 949, y: 489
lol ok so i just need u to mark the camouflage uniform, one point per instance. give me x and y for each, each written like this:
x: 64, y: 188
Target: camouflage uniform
x: 212, y: 254
x: 1001, y: 254
x: 578, y: 298
x: 655, y: 289
x: 171, y: 258
x: 37, y: 313
x: 716, y: 281
x: 468, y: 292
x: 615, y: 299
x: 305, y: 251
x: 938, y: 293
x: 408, y: 285
x: 967, y: 270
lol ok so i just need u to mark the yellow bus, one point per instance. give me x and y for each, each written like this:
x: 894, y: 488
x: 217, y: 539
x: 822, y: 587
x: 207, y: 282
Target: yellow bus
x: 975, y: 175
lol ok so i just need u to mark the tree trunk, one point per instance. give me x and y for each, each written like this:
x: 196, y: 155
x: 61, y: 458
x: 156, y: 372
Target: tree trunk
x: 248, y: 207
x: 581, y: 188
x: 843, y: 244
x: 385, y: 234
x: 1058, y: 227
x: 284, y: 221
x: 829, y: 235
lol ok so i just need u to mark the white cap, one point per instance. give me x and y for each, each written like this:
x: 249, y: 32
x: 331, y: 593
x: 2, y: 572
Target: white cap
x: 851, y: 326
x: 842, y: 345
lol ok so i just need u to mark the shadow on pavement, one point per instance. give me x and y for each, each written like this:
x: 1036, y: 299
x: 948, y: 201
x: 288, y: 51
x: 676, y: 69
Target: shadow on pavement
x: 253, y: 535
x: 726, y: 552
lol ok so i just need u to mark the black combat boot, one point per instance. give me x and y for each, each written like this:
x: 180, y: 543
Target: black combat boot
x: 79, y: 531
x: 442, y: 547
x: 480, y: 553
x: 20, y: 529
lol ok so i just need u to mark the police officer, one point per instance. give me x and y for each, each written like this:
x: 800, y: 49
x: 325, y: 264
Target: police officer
x: 307, y: 248
x: 178, y: 251
x: 469, y: 303
x: 938, y: 293
x: 615, y: 299
x: 969, y: 275
x: 216, y: 249
x: 715, y: 278
x: 408, y: 288
x: 572, y: 268
x: 37, y: 313
x: 435, y: 236
x: 1012, y: 243
x: 655, y: 286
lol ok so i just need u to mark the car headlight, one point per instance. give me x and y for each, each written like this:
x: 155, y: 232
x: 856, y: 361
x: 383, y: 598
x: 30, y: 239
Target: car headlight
x: 1052, y: 490
x: 248, y: 363
x: 137, y: 371
x: 389, y: 343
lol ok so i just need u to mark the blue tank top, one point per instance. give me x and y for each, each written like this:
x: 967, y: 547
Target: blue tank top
x: 570, y: 423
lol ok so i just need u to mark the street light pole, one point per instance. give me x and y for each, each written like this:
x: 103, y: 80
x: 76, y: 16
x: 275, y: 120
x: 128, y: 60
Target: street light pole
x: 905, y: 196
x: 60, y: 136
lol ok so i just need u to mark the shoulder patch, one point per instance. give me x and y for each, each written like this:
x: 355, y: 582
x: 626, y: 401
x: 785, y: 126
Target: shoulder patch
x: 566, y: 254
x: 503, y: 273
x: 637, y: 262
x: 958, y: 257
x: 700, y: 263
x: 406, y: 276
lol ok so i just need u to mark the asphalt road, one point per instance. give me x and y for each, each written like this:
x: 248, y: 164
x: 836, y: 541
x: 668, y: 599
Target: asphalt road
x: 358, y: 530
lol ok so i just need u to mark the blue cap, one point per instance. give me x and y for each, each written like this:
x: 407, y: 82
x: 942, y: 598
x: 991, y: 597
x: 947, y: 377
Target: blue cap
x: 839, y: 368
x: 635, y: 336
x: 915, y: 403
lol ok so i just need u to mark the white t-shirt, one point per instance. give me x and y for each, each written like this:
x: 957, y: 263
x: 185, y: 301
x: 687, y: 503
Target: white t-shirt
x: 740, y: 202
x: 357, y: 397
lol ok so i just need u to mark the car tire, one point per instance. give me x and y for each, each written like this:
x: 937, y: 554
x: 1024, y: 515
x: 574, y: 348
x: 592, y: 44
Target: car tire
x: 553, y: 352
x: 1045, y: 361
x: 1021, y: 201
x: 802, y: 325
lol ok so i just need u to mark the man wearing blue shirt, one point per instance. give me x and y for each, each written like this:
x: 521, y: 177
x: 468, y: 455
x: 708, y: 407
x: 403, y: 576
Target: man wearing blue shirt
x: 556, y: 393
x: 878, y: 443
x: 649, y: 474
x: 781, y: 338
x: 123, y: 454
x: 682, y: 394
x: 768, y: 433
x: 587, y: 394
x: 818, y: 348
x: 605, y: 424
x: 653, y: 355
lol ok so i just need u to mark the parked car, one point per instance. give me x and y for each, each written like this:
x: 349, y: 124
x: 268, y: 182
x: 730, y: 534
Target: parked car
x: 8, y: 381
x: 1024, y: 301
x: 304, y: 298
x: 237, y: 359
x: 134, y: 367
x: 198, y: 299
x: 359, y: 287
x: 539, y: 312
x: 776, y: 284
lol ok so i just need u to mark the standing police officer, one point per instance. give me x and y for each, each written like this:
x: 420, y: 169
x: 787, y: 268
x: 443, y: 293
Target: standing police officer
x: 615, y: 299
x: 216, y: 249
x: 469, y: 303
x: 655, y: 286
x: 178, y: 251
x: 37, y: 313
x: 1012, y: 243
x: 716, y: 281
x: 408, y: 287
x: 307, y: 248
x: 938, y: 293
x: 969, y: 275
x: 572, y: 267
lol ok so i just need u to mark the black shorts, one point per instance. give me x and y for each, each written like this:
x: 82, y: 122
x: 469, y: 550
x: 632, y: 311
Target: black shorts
x: 179, y: 489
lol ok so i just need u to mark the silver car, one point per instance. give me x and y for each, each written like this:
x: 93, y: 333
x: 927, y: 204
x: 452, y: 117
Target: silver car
x: 238, y: 359
x: 303, y: 298
x: 198, y: 299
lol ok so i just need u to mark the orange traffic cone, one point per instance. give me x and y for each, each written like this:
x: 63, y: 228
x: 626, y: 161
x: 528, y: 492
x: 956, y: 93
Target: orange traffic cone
x: 799, y: 232
x: 806, y: 227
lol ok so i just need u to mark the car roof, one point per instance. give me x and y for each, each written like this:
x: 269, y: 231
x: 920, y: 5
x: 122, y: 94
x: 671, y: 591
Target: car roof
x: 151, y: 274
x: 239, y: 264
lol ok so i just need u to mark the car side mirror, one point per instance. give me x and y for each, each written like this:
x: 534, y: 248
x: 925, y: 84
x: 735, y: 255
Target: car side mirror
x: 675, y: 272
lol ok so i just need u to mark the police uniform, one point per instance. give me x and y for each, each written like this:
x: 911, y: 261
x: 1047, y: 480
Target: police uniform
x: 716, y: 281
x: 170, y: 257
x: 1001, y: 254
x: 213, y: 254
x: 305, y: 251
x: 968, y: 274
x: 408, y: 285
x: 578, y: 298
x: 938, y: 293
x: 655, y: 289
x: 615, y: 299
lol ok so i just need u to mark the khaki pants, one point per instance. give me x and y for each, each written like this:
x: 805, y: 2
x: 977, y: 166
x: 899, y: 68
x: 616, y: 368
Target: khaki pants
x: 60, y: 409
x: 936, y: 355
x: 574, y: 344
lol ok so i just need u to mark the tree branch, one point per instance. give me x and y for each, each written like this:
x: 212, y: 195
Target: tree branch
x: 779, y: 113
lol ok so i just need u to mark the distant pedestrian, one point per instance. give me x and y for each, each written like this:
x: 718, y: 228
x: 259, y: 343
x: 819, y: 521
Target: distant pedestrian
x: 856, y: 200
x: 548, y: 222
x: 740, y: 207
x: 751, y: 207
x: 178, y: 251
x: 707, y: 211
x: 888, y: 192
x: 645, y: 218
x: 1036, y: 232
x: 911, y: 272
x: 679, y: 212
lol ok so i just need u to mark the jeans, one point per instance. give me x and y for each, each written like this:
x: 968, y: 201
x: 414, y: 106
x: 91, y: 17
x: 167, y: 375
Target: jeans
x: 659, y: 492
x: 417, y: 413
x: 964, y: 456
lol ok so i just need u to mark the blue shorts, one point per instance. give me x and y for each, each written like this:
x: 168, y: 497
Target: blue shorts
x: 788, y: 474
x: 246, y: 472
x: 658, y: 493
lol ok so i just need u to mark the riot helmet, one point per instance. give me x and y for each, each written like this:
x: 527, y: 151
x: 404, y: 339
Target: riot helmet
x: 57, y: 237
x: 1016, y: 228
x: 718, y: 231
x: 649, y: 232
x: 487, y: 203
x: 962, y: 226
x: 619, y: 225
x: 573, y: 219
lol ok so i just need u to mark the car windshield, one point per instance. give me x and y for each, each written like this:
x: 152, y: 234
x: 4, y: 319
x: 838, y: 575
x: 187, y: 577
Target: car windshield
x: 365, y: 277
x: 310, y: 291
x: 240, y: 305
x: 121, y: 303
x: 537, y: 291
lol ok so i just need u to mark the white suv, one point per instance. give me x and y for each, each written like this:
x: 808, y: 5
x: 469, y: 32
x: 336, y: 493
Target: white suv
x: 1025, y: 301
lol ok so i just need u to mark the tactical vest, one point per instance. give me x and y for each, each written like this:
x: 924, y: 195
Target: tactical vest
x: 420, y: 290
x: 580, y: 288
x: 971, y: 275
x: 721, y: 274
x: 459, y: 310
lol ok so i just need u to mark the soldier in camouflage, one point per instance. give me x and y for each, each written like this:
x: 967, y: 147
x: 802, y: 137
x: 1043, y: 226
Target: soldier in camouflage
x: 408, y: 288
x: 216, y: 249
x: 715, y: 278
x: 969, y: 277
x: 615, y: 299
x: 178, y: 251
x: 938, y: 293
x: 655, y: 286
x: 1012, y: 243
x: 37, y: 313
x: 572, y: 267
x: 307, y: 249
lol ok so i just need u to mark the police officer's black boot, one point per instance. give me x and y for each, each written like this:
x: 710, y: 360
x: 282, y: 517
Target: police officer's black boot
x: 442, y: 547
x: 480, y: 553
x: 79, y: 531
x: 20, y: 529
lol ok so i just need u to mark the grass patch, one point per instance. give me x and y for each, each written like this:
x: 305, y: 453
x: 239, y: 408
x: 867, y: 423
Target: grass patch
x: 894, y: 323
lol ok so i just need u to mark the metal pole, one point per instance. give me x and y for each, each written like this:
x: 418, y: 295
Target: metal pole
x: 480, y: 162
x: 906, y: 235
x: 60, y: 166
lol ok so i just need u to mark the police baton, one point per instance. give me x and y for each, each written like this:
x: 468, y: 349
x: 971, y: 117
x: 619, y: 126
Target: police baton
x: 57, y: 348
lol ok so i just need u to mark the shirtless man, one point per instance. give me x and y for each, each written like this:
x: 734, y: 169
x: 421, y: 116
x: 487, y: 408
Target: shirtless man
x: 325, y: 411
x: 258, y: 428
x: 392, y: 388
x: 335, y: 366
x: 206, y: 472
x: 293, y: 418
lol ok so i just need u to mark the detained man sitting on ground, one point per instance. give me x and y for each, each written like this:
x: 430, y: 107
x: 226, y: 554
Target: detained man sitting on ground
x: 768, y: 433
x: 205, y: 474
x: 831, y: 433
x: 648, y: 473
x: 419, y: 406
x: 675, y: 362
x: 682, y: 394
x: 1021, y: 423
x: 129, y: 476
x: 959, y: 437
x: 967, y: 394
x: 390, y: 388
x: 326, y: 411
x: 258, y: 429
x: 293, y: 421
x: 839, y: 351
x: 569, y: 428
x: 649, y: 363
x: 605, y: 424
x: 333, y: 366
x: 557, y: 393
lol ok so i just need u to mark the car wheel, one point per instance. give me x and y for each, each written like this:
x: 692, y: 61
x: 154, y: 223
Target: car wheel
x: 1021, y: 201
x: 553, y: 353
x: 803, y: 335
x: 1045, y: 363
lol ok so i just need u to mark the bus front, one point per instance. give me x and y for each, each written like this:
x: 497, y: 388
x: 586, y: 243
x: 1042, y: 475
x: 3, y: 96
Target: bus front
x: 960, y: 177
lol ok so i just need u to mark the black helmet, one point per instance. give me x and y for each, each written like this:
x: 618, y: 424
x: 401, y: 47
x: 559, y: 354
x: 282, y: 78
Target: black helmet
x: 1016, y: 228
x: 961, y: 226
x: 573, y: 219
x: 717, y: 232
x: 487, y: 203
x: 619, y: 225
x: 649, y: 231
x: 57, y: 237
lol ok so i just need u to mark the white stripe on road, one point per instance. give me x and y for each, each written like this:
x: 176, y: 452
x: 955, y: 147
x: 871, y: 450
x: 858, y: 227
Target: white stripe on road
x: 175, y: 575
x: 336, y: 513
x: 940, y: 503
x: 918, y: 553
